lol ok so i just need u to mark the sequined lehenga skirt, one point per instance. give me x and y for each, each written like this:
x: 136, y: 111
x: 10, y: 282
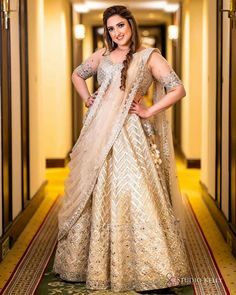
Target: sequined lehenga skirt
x: 127, y: 237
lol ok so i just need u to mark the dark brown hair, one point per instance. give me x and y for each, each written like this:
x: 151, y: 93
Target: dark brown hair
x: 135, y: 40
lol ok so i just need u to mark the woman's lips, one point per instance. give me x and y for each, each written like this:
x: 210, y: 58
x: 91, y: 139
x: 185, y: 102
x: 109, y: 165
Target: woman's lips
x: 119, y: 38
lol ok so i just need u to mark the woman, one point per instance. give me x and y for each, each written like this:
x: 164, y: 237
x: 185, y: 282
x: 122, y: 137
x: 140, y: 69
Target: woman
x: 118, y: 227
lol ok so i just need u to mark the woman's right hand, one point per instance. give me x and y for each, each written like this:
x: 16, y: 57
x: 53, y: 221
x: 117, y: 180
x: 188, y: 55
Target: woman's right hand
x: 90, y: 100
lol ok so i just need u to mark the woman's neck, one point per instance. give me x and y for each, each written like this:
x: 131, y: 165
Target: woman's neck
x: 123, y: 48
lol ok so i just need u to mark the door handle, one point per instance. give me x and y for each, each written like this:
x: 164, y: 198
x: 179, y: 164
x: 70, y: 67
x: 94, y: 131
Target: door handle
x: 5, y: 10
x: 232, y: 9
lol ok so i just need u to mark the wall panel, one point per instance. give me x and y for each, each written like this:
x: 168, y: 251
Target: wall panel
x: 16, y: 111
x: 225, y: 116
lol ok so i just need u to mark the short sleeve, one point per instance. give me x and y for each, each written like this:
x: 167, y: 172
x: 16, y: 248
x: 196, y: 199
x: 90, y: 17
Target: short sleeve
x: 89, y: 67
x: 163, y: 72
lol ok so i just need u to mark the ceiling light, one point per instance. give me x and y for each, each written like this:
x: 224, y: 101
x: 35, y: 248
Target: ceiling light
x: 97, y: 5
x: 149, y: 5
x: 86, y: 6
x: 145, y: 33
x: 81, y: 8
x: 171, y: 7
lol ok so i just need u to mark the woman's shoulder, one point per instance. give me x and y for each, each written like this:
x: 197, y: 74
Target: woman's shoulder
x: 99, y: 52
x: 96, y: 57
x: 150, y: 55
x: 147, y: 52
x: 155, y: 57
x: 150, y: 49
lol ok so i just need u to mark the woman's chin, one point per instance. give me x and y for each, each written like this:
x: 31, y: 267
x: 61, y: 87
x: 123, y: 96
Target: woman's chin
x: 123, y: 43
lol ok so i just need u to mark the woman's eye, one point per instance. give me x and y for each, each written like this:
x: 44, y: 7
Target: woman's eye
x: 121, y: 25
x: 110, y: 29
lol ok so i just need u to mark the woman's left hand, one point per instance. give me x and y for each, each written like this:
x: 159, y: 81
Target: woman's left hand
x: 140, y: 110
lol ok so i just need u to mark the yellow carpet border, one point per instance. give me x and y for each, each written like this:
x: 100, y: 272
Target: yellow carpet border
x: 190, y: 184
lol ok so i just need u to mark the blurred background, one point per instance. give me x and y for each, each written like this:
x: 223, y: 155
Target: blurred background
x: 42, y: 41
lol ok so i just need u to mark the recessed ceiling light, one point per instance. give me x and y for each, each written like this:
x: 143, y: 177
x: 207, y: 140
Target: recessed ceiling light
x: 151, y: 15
x: 145, y: 33
x: 81, y: 8
x: 171, y: 7
x: 86, y: 6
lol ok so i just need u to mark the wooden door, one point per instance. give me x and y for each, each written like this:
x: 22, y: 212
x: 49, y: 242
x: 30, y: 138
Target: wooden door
x: 226, y: 111
x: 232, y: 121
x: 6, y: 140
x: 14, y: 110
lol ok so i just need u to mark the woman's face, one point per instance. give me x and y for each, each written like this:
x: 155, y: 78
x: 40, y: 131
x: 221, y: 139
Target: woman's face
x: 119, y: 30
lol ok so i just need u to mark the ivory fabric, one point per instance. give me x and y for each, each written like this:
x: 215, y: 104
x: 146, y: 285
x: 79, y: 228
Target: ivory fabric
x: 101, y: 127
x: 125, y: 235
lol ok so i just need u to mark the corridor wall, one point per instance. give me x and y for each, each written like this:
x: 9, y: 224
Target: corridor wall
x: 36, y: 114
x: 57, y: 135
x: 212, y: 32
x: 192, y: 77
x: 22, y: 155
x: 209, y: 96
x: 38, y: 107
x: 16, y: 113
x: 49, y: 84
x: 1, y: 203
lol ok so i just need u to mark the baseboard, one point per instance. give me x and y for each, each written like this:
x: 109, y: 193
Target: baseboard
x: 223, y: 224
x: 190, y: 163
x: 193, y: 163
x: 57, y: 162
x: 19, y: 223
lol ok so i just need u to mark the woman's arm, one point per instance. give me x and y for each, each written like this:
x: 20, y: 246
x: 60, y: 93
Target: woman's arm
x: 164, y: 74
x: 83, y: 72
x: 80, y: 86
x: 168, y: 100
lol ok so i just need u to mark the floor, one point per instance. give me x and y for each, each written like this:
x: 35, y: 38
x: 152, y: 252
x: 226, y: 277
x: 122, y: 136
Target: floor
x: 189, y: 183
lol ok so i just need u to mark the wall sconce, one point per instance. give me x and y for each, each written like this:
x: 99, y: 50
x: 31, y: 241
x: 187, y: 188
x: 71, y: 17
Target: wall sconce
x: 79, y: 31
x: 173, y: 32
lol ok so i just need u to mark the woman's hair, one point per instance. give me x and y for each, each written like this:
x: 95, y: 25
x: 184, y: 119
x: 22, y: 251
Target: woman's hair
x: 135, y: 40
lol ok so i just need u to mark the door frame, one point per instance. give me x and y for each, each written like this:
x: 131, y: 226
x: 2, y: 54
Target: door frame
x: 24, y: 72
x: 6, y: 128
x: 219, y: 49
x: 232, y: 125
x: 6, y: 113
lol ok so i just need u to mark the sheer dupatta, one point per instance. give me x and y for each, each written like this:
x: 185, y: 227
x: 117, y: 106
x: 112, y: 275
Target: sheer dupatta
x: 101, y: 128
x: 164, y: 142
x: 158, y: 129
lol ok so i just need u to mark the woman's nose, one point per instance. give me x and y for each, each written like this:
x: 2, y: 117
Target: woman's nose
x: 116, y: 32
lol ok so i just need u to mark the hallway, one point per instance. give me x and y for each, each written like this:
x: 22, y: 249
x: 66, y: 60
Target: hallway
x: 189, y: 182
x: 41, y: 43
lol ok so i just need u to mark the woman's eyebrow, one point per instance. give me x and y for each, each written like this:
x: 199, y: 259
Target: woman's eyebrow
x: 115, y: 25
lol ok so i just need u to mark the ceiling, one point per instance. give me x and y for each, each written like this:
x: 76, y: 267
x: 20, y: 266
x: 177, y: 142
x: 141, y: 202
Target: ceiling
x: 145, y: 12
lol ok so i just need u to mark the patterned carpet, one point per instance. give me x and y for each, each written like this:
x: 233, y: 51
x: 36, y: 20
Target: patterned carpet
x: 52, y: 285
x: 33, y: 273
